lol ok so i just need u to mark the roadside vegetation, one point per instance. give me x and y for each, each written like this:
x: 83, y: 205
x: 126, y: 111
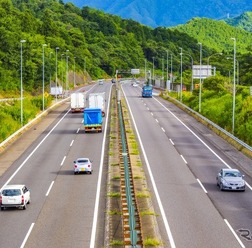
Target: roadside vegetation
x: 92, y: 44
x: 217, y: 105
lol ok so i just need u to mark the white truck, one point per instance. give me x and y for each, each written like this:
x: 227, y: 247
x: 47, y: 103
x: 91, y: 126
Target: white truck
x: 97, y: 100
x: 78, y: 101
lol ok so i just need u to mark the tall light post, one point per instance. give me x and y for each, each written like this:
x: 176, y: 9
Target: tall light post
x: 200, y: 88
x: 208, y: 59
x: 234, y: 89
x: 192, y: 70
x: 181, y: 72
x: 163, y: 69
x: 67, y: 87
x: 43, y: 58
x: 237, y: 63
x: 50, y: 56
x: 153, y: 69
x: 62, y: 74
x: 21, y: 81
x: 74, y: 71
x: 56, y: 71
x: 171, y: 70
x: 145, y: 68
x: 167, y: 65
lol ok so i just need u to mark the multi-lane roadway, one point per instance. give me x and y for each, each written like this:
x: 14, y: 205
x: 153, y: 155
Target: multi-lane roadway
x: 181, y: 159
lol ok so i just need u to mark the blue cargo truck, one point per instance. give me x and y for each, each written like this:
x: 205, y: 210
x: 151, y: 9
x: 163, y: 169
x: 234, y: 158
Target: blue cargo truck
x: 147, y: 91
x: 93, y: 120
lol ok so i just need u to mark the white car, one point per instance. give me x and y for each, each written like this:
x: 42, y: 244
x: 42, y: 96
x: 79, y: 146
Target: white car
x: 83, y: 165
x: 16, y: 195
x: 100, y: 81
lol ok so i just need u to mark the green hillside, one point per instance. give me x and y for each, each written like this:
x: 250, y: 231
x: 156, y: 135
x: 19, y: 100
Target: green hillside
x: 216, y: 34
x: 243, y: 21
x: 95, y: 44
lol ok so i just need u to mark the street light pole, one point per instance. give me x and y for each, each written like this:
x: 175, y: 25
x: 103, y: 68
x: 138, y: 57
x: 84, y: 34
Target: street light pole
x: 171, y: 70
x: 74, y: 71
x: 56, y: 71
x: 50, y: 70
x: 167, y: 65
x: 21, y: 81
x: 234, y: 89
x: 163, y: 69
x: 43, y: 48
x: 153, y: 70
x: 200, y: 89
x: 67, y: 86
x: 208, y: 59
x: 145, y: 72
x: 192, y: 70
x: 181, y: 72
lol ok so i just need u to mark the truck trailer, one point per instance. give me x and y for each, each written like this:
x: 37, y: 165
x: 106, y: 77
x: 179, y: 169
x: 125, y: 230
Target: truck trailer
x: 97, y: 100
x: 78, y: 100
x: 92, y: 120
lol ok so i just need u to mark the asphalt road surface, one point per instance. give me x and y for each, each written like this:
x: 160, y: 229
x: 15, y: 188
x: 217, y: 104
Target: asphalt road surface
x: 66, y: 210
x: 182, y: 158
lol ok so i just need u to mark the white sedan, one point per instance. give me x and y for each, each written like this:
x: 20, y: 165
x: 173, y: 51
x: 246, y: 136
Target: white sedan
x: 83, y: 165
x: 16, y: 195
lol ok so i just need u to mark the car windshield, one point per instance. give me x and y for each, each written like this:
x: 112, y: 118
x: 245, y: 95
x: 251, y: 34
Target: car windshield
x: 232, y: 174
x: 11, y: 192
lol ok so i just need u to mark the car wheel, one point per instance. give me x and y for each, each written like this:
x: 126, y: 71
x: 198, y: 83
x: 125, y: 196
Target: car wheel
x: 24, y: 207
x: 2, y: 208
x: 75, y: 173
x: 90, y: 172
x: 221, y: 187
x: 29, y: 201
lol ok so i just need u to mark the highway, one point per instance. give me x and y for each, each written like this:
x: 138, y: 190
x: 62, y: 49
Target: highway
x: 182, y: 158
x: 64, y: 207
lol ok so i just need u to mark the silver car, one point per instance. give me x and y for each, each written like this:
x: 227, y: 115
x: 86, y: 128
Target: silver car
x: 230, y: 179
x: 83, y: 165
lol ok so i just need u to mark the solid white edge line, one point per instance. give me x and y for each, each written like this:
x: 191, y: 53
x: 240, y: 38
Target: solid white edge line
x: 201, y: 185
x: 27, y: 235
x: 49, y: 189
x: 234, y: 233
x: 35, y: 149
x: 195, y: 135
x: 72, y: 143
x: 248, y: 185
x: 97, y: 198
x: 167, y: 227
x: 63, y: 160
x: 183, y: 158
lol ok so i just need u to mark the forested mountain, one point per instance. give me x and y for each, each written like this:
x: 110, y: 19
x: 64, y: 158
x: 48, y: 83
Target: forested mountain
x: 243, y: 21
x: 216, y: 34
x: 166, y: 13
x: 100, y: 43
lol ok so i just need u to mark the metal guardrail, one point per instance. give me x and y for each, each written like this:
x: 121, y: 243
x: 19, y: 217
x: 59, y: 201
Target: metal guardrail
x: 131, y: 217
x: 240, y: 142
